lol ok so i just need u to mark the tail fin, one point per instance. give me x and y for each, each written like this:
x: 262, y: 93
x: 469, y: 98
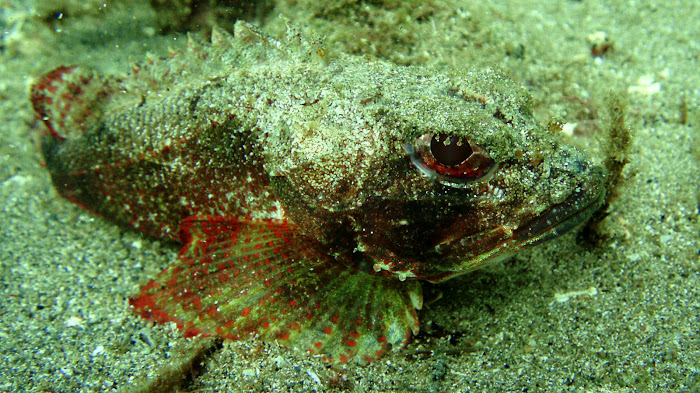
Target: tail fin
x: 67, y: 100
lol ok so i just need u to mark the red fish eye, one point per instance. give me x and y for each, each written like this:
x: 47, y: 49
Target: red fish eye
x: 451, y: 158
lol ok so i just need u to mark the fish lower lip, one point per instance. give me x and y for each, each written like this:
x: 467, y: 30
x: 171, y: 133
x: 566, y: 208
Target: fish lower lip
x: 561, y: 218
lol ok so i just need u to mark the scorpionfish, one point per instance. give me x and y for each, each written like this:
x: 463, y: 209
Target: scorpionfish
x: 310, y: 193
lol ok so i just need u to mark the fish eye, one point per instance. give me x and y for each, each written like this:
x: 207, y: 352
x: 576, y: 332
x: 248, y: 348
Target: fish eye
x: 451, y: 158
x: 448, y: 150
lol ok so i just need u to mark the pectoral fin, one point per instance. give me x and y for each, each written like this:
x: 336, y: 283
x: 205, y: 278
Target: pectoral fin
x: 237, y: 278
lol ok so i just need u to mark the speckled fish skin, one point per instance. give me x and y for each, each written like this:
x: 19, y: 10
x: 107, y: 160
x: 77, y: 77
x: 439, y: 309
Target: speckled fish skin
x: 251, y: 132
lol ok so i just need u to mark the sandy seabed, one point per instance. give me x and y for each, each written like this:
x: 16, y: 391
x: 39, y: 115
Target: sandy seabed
x: 621, y: 315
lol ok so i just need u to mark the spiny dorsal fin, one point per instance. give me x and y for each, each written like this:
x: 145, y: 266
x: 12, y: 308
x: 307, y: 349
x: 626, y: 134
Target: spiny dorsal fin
x: 197, y: 48
x: 294, y: 43
x: 247, y: 34
x: 221, y: 37
x: 307, y: 45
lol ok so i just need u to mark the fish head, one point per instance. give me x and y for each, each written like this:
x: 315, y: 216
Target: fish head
x: 432, y: 177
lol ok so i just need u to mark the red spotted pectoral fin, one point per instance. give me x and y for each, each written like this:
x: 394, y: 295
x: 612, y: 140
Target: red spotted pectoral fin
x: 244, y: 277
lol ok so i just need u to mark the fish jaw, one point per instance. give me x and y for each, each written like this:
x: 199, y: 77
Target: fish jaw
x: 506, y: 240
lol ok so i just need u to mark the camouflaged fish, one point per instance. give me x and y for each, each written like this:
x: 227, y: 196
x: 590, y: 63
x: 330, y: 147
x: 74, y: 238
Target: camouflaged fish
x: 310, y: 194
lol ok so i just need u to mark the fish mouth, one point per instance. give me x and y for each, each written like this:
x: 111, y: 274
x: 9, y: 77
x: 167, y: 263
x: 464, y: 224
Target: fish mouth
x: 500, y: 242
x: 465, y: 246
x: 560, y: 218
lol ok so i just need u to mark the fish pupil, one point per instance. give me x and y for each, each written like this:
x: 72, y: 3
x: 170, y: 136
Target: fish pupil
x: 449, y: 150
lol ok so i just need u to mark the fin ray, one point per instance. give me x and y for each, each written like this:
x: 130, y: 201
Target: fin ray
x: 260, y: 277
x: 66, y: 99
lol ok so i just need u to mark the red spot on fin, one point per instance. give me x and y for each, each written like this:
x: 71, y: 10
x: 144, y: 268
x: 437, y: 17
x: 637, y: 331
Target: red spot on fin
x: 283, y: 286
x: 67, y: 100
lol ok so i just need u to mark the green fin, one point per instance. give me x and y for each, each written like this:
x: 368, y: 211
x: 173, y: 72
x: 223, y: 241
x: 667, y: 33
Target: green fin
x: 237, y: 278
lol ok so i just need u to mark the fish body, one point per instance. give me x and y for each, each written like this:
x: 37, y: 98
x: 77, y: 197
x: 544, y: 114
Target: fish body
x: 309, y: 193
